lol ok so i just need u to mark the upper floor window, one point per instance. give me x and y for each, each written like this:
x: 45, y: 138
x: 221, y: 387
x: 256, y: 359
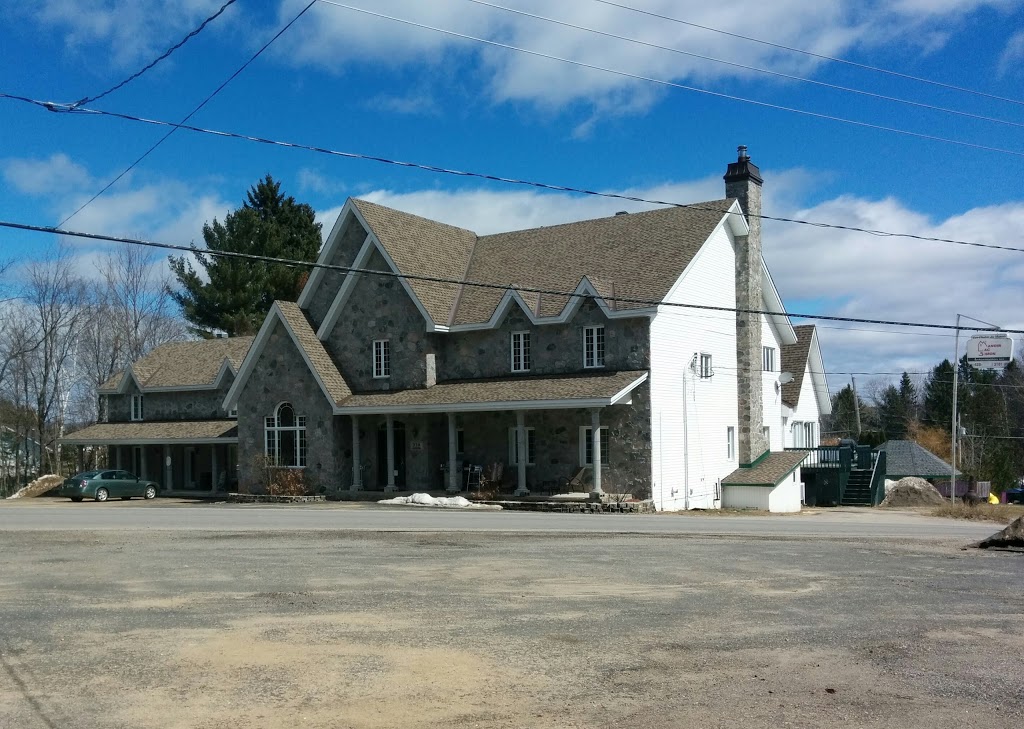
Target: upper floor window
x: 593, y: 347
x: 768, y: 359
x: 730, y: 442
x: 520, y: 351
x: 705, y: 366
x: 381, y: 358
x: 233, y: 412
x: 136, y: 407
x: 284, y: 435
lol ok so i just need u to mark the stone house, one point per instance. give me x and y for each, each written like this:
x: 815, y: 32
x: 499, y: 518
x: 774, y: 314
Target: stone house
x: 610, y: 341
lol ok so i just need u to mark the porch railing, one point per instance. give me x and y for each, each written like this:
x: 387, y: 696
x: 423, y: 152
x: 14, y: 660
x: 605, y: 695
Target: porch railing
x: 878, y: 478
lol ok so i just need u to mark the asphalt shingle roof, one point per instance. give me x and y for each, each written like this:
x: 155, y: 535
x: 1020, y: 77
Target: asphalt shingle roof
x: 908, y: 458
x: 185, y: 364
x: 794, y: 359
x: 772, y: 469
x: 504, y: 390
x: 182, y: 431
x: 314, y: 349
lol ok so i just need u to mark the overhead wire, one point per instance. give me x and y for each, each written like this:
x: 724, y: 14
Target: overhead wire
x: 685, y: 87
x: 58, y: 107
x: 12, y: 225
x: 192, y: 34
x: 192, y: 113
x: 757, y: 69
x: 812, y: 54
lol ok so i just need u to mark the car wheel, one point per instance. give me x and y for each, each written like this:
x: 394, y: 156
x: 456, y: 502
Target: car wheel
x: 151, y: 492
x: 76, y: 499
x: 102, y: 494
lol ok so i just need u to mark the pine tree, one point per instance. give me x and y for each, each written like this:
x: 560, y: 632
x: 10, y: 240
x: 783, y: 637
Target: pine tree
x: 240, y: 292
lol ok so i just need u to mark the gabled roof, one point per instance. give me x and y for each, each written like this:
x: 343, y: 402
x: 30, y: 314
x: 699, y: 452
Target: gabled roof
x: 800, y: 358
x: 639, y: 256
x: 908, y: 458
x: 423, y: 247
x: 311, y: 349
x: 190, y: 365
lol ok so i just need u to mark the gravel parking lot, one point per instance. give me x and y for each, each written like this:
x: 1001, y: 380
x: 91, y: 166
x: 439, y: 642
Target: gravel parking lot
x: 215, y: 629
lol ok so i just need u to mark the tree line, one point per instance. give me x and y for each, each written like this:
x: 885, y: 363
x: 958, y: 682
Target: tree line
x: 990, y: 410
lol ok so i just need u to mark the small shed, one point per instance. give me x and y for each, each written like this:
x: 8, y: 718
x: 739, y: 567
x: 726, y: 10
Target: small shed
x: 907, y: 458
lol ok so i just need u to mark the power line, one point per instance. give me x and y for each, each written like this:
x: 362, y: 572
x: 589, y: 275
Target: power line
x: 834, y: 59
x: 192, y: 113
x: 475, y: 284
x: 779, y: 74
x: 158, y: 59
x: 65, y: 108
x: 685, y: 87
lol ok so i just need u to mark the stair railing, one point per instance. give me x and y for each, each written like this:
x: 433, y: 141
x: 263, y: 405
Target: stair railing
x: 878, y: 479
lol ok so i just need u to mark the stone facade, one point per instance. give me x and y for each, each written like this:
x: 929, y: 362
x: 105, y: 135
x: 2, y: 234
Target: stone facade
x: 380, y: 308
x: 350, y: 240
x: 554, y: 348
x: 281, y: 375
x: 171, y: 405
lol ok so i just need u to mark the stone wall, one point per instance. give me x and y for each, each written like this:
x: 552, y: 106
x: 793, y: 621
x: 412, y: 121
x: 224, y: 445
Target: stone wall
x: 380, y: 308
x: 281, y: 375
x: 177, y: 405
x: 554, y: 348
x: 347, y: 246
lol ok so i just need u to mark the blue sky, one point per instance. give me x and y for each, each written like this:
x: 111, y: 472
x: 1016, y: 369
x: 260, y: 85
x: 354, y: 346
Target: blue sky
x: 348, y: 81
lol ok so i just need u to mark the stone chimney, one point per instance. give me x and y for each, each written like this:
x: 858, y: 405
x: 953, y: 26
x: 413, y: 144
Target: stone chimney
x: 743, y: 182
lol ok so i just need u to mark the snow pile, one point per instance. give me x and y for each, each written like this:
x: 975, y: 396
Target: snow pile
x: 913, y: 491
x: 446, y: 502
x: 38, y: 487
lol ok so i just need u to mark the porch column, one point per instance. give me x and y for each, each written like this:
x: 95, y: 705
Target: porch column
x: 168, y: 484
x: 521, y: 444
x: 357, y: 471
x: 117, y: 457
x: 595, y: 450
x: 391, y: 454
x: 453, y: 447
x: 213, y: 469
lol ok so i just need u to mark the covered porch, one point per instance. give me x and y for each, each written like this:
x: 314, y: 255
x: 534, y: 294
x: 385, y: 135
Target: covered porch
x: 187, y: 458
x: 522, y: 436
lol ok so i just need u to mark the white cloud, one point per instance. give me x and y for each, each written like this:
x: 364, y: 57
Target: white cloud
x: 56, y: 174
x: 133, y: 30
x: 339, y: 37
x: 1012, y: 57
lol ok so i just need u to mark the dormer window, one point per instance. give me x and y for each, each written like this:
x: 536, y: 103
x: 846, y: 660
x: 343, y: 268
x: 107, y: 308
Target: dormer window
x: 233, y: 412
x: 136, y: 407
x: 593, y: 347
x: 520, y: 351
x: 381, y: 358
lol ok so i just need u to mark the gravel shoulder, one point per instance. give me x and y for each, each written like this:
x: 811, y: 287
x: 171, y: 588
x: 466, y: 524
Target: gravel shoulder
x: 362, y: 629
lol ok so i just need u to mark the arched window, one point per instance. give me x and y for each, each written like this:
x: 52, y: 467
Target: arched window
x: 285, y: 437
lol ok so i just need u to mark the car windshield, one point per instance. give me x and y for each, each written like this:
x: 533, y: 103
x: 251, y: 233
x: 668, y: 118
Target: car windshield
x: 86, y: 474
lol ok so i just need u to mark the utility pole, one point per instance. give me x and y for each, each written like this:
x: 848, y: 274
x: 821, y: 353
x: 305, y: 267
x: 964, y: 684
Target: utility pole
x: 856, y: 405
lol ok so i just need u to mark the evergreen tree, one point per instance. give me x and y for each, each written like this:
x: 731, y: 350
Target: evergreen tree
x: 892, y: 413
x: 843, y: 421
x: 240, y: 292
x: 908, y: 398
x: 937, y: 408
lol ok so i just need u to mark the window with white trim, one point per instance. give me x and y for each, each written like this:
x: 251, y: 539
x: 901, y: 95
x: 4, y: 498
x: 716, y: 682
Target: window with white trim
x: 810, y: 435
x: 768, y: 359
x: 766, y: 431
x: 730, y: 445
x: 705, y: 370
x: 513, y: 447
x: 381, y: 358
x: 285, y: 437
x: 136, y: 407
x: 520, y: 351
x: 593, y: 347
x: 587, y: 446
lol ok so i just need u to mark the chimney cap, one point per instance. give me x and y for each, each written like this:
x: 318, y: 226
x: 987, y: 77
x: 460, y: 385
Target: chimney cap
x: 742, y: 170
x: 741, y: 153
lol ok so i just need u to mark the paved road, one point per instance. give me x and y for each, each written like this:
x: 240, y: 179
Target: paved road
x: 163, y: 515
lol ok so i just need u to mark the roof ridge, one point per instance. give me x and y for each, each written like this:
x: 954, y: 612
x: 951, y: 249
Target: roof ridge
x: 363, y: 201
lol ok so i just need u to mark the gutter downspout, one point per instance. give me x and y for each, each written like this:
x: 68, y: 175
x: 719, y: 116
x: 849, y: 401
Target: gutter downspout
x: 686, y: 449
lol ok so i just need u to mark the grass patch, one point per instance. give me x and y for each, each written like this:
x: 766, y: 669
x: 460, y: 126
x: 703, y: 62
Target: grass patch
x: 1001, y: 513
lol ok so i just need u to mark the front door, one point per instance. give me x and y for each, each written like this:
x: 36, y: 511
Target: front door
x: 382, y: 454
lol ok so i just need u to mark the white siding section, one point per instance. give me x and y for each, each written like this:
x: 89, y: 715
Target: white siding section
x: 784, y: 498
x: 772, y: 400
x: 806, y: 410
x: 690, y: 415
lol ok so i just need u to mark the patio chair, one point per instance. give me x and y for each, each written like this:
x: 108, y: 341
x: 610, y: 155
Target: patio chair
x: 576, y: 483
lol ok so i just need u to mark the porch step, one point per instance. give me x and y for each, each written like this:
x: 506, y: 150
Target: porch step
x: 858, y: 489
